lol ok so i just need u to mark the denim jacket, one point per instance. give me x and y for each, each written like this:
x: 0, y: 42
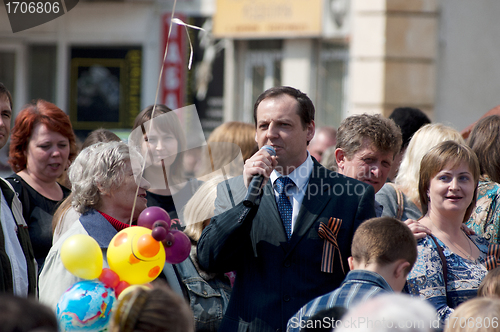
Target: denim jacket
x: 208, y: 293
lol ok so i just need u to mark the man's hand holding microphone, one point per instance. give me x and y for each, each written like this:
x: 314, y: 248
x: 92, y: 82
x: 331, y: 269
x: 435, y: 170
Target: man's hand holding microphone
x: 257, y: 171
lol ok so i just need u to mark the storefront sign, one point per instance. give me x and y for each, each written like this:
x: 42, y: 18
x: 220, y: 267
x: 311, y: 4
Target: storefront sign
x: 267, y: 18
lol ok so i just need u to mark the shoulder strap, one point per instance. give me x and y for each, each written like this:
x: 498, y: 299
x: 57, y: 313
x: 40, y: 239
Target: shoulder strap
x: 22, y: 194
x: 400, y: 200
x: 445, y: 265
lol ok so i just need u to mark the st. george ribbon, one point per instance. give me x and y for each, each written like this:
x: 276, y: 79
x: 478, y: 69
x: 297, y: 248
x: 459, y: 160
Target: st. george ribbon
x: 255, y: 185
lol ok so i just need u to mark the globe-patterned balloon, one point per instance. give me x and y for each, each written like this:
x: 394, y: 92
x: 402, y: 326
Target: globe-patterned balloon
x: 85, y: 307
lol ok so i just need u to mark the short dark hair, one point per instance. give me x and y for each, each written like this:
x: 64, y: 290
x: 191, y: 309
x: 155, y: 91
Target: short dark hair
x: 483, y: 140
x: 409, y: 120
x: 382, y: 133
x: 384, y: 240
x: 306, y: 107
x: 6, y: 93
x: 100, y: 135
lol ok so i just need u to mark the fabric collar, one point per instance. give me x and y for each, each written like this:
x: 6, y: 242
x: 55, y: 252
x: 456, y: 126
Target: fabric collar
x: 366, y: 276
x: 118, y: 225
x: 98, y: 227
x: 300, y: 176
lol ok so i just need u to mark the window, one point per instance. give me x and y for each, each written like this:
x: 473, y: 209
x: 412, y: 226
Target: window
x: 332, y: 79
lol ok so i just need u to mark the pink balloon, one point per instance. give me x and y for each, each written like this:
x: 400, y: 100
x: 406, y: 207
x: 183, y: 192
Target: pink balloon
x: 151, y: 214
x: 180, y: 248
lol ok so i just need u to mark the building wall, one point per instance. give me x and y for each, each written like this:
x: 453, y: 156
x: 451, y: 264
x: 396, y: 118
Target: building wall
x: 393, y: 55
x: 468, y: 75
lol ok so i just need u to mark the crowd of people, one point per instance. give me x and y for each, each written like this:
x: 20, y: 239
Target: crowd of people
x: 382, y: 223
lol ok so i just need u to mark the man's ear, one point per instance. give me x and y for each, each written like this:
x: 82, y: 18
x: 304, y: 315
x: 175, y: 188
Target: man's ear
x: 311, y: 129
x: 340, y: 158
x: 401, y: 269
x: 353, y: 265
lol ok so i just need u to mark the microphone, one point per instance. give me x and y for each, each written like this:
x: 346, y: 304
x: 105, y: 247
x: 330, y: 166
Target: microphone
x: 256, y: 183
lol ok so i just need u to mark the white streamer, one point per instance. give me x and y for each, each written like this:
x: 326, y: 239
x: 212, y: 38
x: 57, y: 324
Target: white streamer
x: 179, y: 22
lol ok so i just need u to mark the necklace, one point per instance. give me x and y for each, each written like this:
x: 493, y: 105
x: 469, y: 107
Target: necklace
x: 469, y: 257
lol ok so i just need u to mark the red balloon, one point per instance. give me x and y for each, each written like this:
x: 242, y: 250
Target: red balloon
x: 150, y: 215
x: 121, y: 286
x: 180, y: 248
x: 109, y: 277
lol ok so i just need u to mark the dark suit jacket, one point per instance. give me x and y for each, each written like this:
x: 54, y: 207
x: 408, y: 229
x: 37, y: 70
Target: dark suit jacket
x: 275, y: 277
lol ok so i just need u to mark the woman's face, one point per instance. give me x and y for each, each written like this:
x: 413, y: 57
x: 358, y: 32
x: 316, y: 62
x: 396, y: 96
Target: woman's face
x: 160, y: 144
x: 451, y: 189
x: 47, y: 153
x: 125, y: 195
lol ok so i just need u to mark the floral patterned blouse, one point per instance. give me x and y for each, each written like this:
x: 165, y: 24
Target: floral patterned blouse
x: 485, y: 218
x: 426, y: 279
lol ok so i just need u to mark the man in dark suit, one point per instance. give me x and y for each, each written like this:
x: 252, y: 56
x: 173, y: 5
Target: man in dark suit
x: 292, y: 245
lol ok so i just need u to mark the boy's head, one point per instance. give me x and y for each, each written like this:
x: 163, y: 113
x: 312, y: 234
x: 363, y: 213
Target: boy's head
x: 490, y: 286
x: 384, y: 242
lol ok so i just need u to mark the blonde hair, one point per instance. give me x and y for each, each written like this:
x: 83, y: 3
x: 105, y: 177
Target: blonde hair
x: 201, y: 207
x: 240, y: 133
x: 475, y: 315
x: 490, y: 286
x: 422, y: 141
x: 224, y: 145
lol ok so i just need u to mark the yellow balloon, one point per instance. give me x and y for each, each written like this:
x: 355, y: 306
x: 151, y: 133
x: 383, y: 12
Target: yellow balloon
x: 82, y: 256
x: 135, y: 256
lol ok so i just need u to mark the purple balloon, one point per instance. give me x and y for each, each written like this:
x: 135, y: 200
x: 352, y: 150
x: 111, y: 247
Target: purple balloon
x: 159, y: 233
x: 151, y: 214
x: 161, y: 223
x: 180, y: 248
x: 169, y: 240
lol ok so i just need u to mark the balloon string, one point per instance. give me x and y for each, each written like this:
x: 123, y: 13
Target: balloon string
x: 179, y: 22
x: 154, y: 108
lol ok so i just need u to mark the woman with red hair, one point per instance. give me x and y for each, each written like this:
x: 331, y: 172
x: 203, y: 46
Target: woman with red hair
x: 42, y: 146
